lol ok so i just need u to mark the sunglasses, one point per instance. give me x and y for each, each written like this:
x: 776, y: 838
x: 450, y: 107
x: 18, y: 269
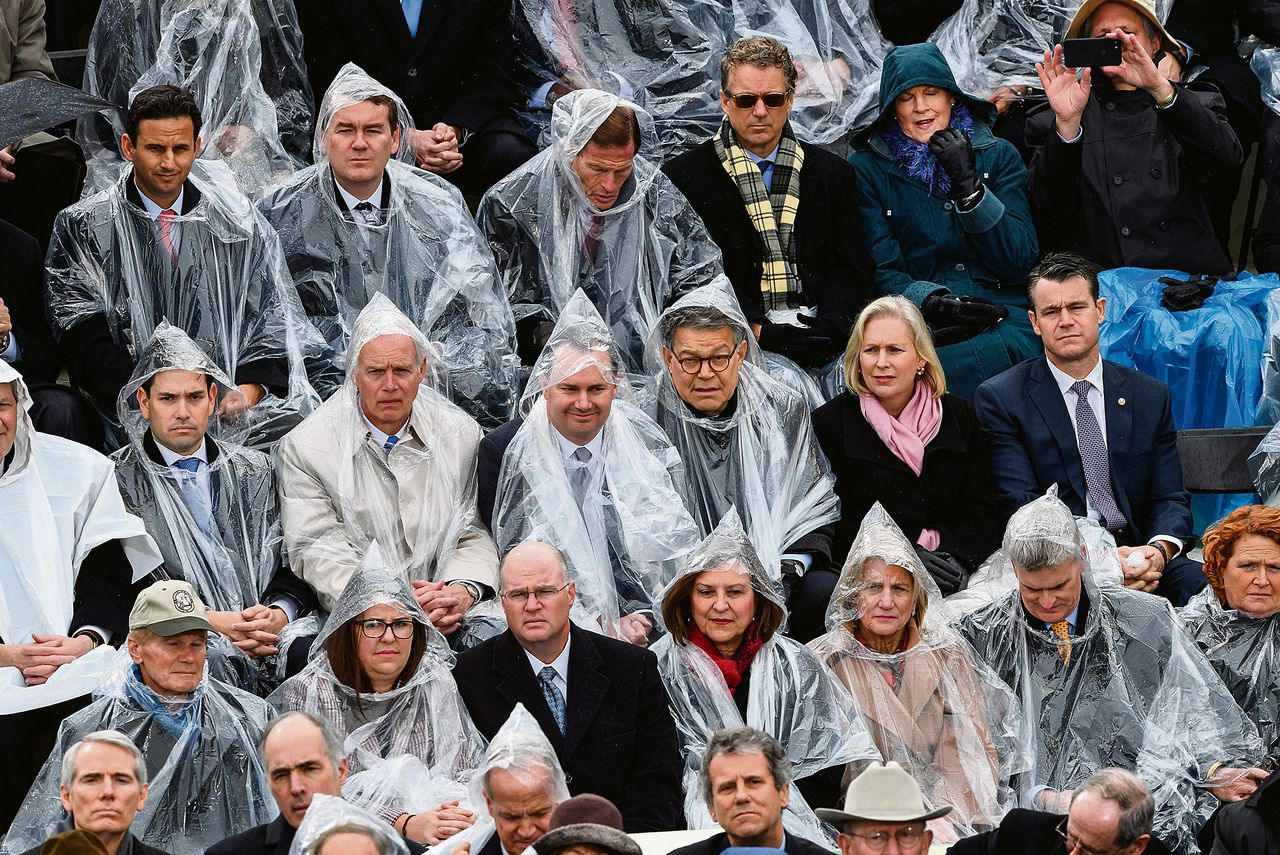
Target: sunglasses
x: 747, y: 100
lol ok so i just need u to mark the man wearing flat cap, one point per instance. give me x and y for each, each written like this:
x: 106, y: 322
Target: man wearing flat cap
x: 883, y: 804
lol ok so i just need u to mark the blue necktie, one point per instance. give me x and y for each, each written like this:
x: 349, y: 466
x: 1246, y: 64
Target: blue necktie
x: 412, y: 12
x: 555, y: 700
x: 390, y: 443
x: 196, y: 498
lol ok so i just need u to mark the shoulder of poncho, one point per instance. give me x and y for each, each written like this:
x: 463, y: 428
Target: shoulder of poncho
x: 287, y: 191
x: 56, y: 454
x: 252, y: 708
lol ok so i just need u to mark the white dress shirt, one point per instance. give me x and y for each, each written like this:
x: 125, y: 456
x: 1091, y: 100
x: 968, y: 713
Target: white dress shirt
x: 561, y: 664
x: 568, y: 449
x: 381, y: 438
x: 351, y: 201
x: 202, y: 476
x: 154, y: 211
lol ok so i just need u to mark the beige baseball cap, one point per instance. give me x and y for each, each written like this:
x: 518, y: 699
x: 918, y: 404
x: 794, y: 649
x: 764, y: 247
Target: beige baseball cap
x: 169, y: 608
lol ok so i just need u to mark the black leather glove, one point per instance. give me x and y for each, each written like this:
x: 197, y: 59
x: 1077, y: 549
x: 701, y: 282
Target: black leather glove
x: 954, y: 318
x: 955, y: 155
x: 806, y: 345
x: 1181, y: 295
x: 949, y: 572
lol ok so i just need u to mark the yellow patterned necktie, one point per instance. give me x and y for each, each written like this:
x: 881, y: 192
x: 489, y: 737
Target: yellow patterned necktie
x: 1062, y: 629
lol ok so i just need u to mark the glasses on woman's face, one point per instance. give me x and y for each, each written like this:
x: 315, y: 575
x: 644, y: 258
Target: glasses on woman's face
x: 374, y: 628
x: 877, y: 841
x: 520, y: 596
x: 693, y: 364
x: 747, y: 100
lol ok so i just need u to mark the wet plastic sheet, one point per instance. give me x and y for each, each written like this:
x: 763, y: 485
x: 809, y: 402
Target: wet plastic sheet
x: 329, y: 812
x: 206, y: 781
x: 762, y: 458
x: 1136, y: 692
x: 426, y: 254
x: 1265, y: 63
x: 630, y: 533
x: 793, y: 696
x: 242, y: 59
x: 933, y: 707
x: 549, y: 240
x: 228, y: 288
x: 665, y: 55
x: 231, y: 565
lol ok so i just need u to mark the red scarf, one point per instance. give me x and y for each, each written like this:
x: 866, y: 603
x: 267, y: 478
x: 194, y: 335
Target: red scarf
x: 734, y: 667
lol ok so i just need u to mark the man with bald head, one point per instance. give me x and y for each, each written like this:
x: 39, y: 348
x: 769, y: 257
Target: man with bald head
x: 390, y: 460
x: 600, y: 702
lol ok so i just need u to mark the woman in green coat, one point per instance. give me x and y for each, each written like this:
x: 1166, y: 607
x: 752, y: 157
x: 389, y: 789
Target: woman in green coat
x: 945, y: 216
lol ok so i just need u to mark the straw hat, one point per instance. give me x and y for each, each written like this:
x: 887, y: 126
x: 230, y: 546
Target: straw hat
x: 1146, y: 8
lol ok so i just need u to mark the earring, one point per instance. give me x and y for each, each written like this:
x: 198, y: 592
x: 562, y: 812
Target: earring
x: 920, y: 371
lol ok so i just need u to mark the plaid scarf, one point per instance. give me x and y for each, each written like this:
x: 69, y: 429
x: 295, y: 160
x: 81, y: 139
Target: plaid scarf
x: 773, y: 212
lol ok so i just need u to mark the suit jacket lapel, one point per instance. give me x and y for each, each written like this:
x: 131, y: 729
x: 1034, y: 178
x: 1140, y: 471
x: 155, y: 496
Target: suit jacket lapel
x: 1048, y: 400
x: 1119, y: 432
x: 433, y: 13
x: 393, y: 14
x: 587, y: 687
x: 517, y: 684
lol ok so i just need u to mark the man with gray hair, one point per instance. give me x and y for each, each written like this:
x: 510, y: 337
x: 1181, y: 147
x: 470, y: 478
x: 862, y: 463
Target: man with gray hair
x: 746, y: 784
x: 1110, y: 812
x: 103, y: 785
x: 1104, y: 674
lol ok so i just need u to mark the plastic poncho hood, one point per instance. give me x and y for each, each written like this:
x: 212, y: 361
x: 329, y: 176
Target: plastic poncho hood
x: 329, y: 812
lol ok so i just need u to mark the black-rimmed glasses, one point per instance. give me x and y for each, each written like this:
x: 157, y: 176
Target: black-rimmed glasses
x: 693, y: 364
x: 747, y: 100
x: 521, y: 595
x: 374, y: 628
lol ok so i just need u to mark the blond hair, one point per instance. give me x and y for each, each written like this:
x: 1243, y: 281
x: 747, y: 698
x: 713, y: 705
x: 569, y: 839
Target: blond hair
x: 894, y: 306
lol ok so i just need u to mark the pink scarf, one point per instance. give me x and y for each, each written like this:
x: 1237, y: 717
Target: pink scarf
x: 908, y: 434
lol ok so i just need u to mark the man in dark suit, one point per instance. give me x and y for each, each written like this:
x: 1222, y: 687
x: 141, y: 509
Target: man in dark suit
x: 453, y: 63
x: 302, y: 756
x: 1102, y: 432
x: 829, y: 274
x: 106, y: 785
x: 600, y: 702
x: 1110, y: 812
x: 746, y: 782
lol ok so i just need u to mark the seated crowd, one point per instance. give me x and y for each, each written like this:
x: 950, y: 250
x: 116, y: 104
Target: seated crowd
x: 374, y: 482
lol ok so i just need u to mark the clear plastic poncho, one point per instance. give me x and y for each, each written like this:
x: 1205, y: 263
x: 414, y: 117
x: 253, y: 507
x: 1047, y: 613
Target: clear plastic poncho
x: 328, y: 812
x: 665, y: 55
x: 1245, y: 651
x: 59, y: 500
x: 427, y: 256
x: 231, y: 565
x: 630, y: 533
x: 1136, y: 692
x: 228, y: 290
x: 521, y: 749
x: 206, y: 781
x: 242, y: 59
x: 549, y: 240
x: 933, y: 706
x: 339, y: 493
x: 761, y: 456
x: 792, y: 695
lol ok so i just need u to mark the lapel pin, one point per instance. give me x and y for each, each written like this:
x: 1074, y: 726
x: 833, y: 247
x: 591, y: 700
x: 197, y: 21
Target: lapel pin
x: 1120, y: 402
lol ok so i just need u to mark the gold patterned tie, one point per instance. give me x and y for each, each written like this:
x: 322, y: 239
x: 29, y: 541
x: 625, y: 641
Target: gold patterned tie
x: 1062, y: 629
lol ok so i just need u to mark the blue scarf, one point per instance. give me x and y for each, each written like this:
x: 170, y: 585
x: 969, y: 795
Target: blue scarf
x: 176, y: 722
x: 915, y: 159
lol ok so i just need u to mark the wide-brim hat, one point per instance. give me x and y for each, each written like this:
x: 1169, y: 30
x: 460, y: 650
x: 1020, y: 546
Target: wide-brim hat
x: 882, y: 793
x: 591, y: 833
x: 1146, y: 8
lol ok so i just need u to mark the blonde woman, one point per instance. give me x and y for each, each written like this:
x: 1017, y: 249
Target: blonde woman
x: 896, y: 437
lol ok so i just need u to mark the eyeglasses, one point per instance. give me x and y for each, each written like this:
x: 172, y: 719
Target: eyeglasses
x: 521, y: 595
x: 747, y: 100
x: 1074, y: 844
x: 693, y: 364
x: 374, y: 628
x: 878, y: 841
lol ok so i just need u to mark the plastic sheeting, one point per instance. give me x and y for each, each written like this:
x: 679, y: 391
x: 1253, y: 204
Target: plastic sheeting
x: 1136, y: 692
x: 1264, y: 463
x: 793, y: 697
x: 206, y: 782
x: 232, y: 565
x: 665, y: 55
x: 1245, y: 651
x: 424, y: 717
x: 933, y: 706
x: 417, y: 503
x: 426, y: 254
x: 328, y: 812
x: 242, y: 59
x: 1269, y: 404
x: 761, y: 458
x: 549, y: 240
x: 228, y: 288
x: 1265, y: 63
x: 629, y: 534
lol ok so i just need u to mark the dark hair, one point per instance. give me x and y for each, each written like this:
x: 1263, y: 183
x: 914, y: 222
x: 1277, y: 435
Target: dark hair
x: 743, y: 742
x: 340, y: 647
x: 162, y: 102
x: 150, y: 381
x: 761, y: 52
x: 677, y: 609
x: 1059, y: 267
x: 393, y: 112
x: 619, y: 128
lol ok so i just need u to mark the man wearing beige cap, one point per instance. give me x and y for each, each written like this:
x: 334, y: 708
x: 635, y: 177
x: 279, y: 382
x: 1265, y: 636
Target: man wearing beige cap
x: 884, y: 811
x: 196, y: 734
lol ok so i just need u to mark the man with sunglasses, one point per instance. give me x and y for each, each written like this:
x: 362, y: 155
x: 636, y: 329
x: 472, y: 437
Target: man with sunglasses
x: 600, y: 702
x: 783, y: 214
x: 884, y: 811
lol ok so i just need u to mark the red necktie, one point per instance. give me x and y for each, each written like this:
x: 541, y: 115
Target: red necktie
x: 166, y: 231
x: 564, y: 28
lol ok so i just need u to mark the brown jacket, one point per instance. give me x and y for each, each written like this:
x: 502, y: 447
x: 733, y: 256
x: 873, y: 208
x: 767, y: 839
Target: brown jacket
x: 22, y: 51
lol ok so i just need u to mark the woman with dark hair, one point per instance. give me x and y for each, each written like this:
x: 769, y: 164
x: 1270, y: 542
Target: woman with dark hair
x: 380, y: 673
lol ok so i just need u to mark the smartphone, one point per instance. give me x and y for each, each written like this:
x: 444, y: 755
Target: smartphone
x: 1090, y: 53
